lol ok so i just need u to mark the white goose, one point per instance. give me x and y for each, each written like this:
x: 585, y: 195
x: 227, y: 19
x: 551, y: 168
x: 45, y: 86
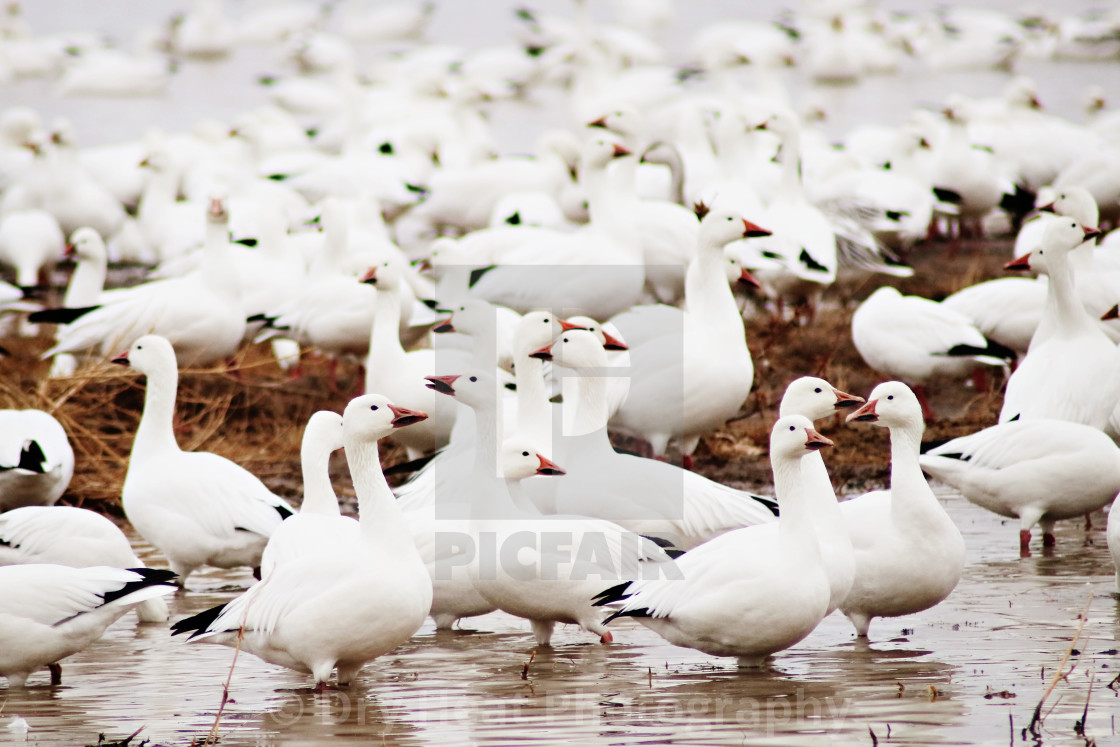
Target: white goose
x: 909, y: 554
x: 546, y: 584
x: 645, y: 496
x: 1061, y: 375
x: 690, y: 379
x: 85, y: 287
x: 36, y: 459
x: 330, y: 610
x: 197, y: 508
x: 31, y: 243
x: 751, y: 592
x: 1037, y: 471
x: 200, y: 314
x: 48, y: 612
x: 319, y: 522
x: 916, y: 339
x: 76, y: 537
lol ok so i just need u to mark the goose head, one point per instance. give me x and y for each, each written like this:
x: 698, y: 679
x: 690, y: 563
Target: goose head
x: 383, y: 276
x: 609, y: 341
x: 891, y: 404
x: 1074, y: 202
x: 521, y: 460
x: 86, y: 245
x: 815, y: 398
x: 217, y: 205
x: 472, y: 317
x: 372, y: 416
x: 149, y: 355
x: 624, y: 122
x: 324, y: 428
x: 1062, y: 235
x: 577, y: 349
x: 598, y: 152
x: 793, y: 436
x: 537, y: 330
x: 475, y: 389
x: 721, y: 226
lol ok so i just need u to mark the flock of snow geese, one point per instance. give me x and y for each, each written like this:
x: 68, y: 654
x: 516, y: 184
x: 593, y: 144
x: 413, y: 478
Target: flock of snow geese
x: 356, y: 238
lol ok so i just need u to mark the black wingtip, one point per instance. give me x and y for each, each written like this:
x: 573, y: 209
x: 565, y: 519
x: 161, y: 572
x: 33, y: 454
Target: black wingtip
x: 32, y: 457
x: 60, y: 315
x: 196, y: 625
x: 148, y: 577
x: 640, y: 612
x: 614, y: 594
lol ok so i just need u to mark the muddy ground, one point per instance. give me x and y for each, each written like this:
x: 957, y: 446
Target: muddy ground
x: 255, y: 413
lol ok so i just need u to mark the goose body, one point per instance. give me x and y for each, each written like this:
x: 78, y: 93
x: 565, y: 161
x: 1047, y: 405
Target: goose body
x: 75, y: 537
x: 31, y: 243
x: 319, y: 522
x: 48, y: 612
x: 751, y: 592
x: 909, y: 555
x: 197, y: 508
x: 1037, y: 471
x: 1063, y: 375
x: 36, y: 459
x: 336, y: 609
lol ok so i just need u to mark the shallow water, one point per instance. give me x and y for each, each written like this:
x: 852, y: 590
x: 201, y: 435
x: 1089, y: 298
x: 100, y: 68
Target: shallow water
x: 922, y: 680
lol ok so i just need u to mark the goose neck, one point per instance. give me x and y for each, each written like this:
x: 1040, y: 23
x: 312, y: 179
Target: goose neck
x: 591, y: 405
x: 909, y: 489
x: 1062, y: 302
x: 86, y: 283
x: 533, y: 409
x: 385, y: 341
x: 156, y: 432
x: 318, y: 493
x: 379, y: 515
x: 491, y: 498
x: 795, y: 526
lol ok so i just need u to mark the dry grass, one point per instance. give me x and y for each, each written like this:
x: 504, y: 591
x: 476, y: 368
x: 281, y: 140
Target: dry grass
x: 254, y: 414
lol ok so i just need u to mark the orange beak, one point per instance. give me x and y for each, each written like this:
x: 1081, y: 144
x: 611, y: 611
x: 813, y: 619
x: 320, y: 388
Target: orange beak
x: 445, y: 325
x: 548, y: 467
x: 217, y: 209
x: 815, y: 441
x: 121, y: 359
x: 1019, y: 263
x: 619, y: 151
x: 566, y: 325
x: 441, y: 384
x: 752, y: 231
x: 865, y: 414
x: 613, y: 343
x: 403, y: 416
x: 370, y: 276
x: 1091, y: 232
x: 845, y: 400
x: 1113, y: 313
x: 748, y: 279
x: 600, y: 122
x: 544, y: 354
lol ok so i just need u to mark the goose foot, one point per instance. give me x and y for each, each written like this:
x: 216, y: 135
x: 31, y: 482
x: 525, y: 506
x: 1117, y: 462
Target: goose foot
x: 606, y: 638
x: 1024, y: 543
x: 257, y: 572
x: 687, y: 461
x: 56, y: 673
x: 1048, y: 539
x: 1088, y: 522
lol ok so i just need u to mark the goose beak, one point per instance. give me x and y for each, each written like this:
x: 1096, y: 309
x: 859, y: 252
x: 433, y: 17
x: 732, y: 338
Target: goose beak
x: 619, y: 151
x: 752, y: 231
x: 566, y: 325
x: 545, y: 353
x: 1047, y: 208
x: 748, y: 279
x: 1091, y: 232
x: 815, y: 441
x: 865, y: 414
x: 613, y: 343
x: 121, y: 359
x: 1113, y: 313
x: 403, y: 416
x: 845, y: 400
x: 601, y: 122
x: 548, y: 467
x: 441, y: 384
x: 370, y: 276
x: 444, y: 326
x: 1020, y: 263
x: 68, y: 251
x: 217, y: 209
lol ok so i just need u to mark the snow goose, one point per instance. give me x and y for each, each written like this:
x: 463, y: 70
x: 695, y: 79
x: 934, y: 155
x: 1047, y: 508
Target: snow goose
x: 1037, y: 471
x: 400, y: 375
x: 597, y: 270
x: 336, y: 609
x: 751, y: 592
x: 695, y: 375
x: 646, y: 496
x: 915, y: 339
x: 200, y: 314
x: 547, y: 583
x: 909, y: 554
x: 1063, y: 375
x: 36, y: 459
x: 76, y: 537
x: 85, y: 287
x: 1004, y: 310
x: 48, y: 612
x: 31, y: 243
x: 197, y: 508
x: 319, y: 522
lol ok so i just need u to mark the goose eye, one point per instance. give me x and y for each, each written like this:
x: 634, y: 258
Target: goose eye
x: 524, y: 453
x: 890, y: 396
x: 817, y: 390
x: 373, y: 408
x: 793, y: 427
x: 474, y: 378
x: 547, y: 320
x: 730, y: 219
x: 565, y: 339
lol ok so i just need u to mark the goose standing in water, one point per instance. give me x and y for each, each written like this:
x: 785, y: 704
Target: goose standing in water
x: 195, y: 507
x: 339, y: 607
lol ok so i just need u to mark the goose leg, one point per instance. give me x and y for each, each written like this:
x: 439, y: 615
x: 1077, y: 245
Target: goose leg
x: 1088, y: 521
x: 1048, y: 540
x: 56, y: 673
x: 861, y: 622
x: 542, y: 631
x: 1024, y: 543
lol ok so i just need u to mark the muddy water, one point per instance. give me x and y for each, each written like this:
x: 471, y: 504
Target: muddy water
x: 966, y: 672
